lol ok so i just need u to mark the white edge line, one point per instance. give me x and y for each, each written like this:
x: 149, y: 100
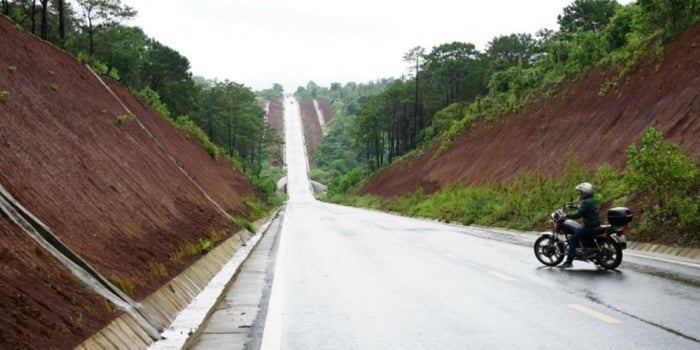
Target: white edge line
x: 272, y: 331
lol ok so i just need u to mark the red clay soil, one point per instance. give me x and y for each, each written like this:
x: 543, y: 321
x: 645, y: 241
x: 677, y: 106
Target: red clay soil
x: 325, y: 107
x: 597, y: 129
x: 274, y: 116
x: 42, y: 305
x: 313, y: 132
x: 106, y: 188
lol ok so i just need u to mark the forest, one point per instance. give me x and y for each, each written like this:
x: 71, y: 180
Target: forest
x: 225, y: 115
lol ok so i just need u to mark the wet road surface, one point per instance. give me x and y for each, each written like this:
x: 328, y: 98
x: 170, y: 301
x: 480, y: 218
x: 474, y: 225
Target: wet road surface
x: 346, y: 278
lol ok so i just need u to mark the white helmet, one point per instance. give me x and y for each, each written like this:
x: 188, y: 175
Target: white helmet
x: 585, y: 189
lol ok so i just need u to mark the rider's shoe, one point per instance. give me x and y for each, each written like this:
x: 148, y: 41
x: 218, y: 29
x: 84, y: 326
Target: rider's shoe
x: 566, y: 265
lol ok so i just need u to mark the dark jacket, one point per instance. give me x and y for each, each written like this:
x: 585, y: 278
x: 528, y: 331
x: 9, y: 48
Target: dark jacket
x: 589, y: 212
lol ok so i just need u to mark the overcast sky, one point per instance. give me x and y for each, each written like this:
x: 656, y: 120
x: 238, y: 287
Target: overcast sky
x: 291, y: 42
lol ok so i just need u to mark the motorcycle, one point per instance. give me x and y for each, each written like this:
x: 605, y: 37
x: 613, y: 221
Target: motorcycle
x: 604, y: 249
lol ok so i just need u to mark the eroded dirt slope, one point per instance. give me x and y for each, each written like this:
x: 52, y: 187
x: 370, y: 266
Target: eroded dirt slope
x: 325, y: 107
x: 598, y: 129
x: 275, y: 116
x: 72, y: 156
x: 313, y: 132
x: 42, y: 305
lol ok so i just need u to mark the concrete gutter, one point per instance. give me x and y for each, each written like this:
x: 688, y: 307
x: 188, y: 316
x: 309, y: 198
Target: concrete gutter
x: 682, y: 252
x: 185, y: 302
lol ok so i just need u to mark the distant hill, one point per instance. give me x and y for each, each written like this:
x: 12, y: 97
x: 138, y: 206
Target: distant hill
x: 596, y: 127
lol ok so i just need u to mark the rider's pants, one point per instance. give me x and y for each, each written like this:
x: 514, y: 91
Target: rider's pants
x: 582, y: 233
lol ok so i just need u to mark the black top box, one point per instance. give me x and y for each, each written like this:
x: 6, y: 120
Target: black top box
x: 619, y: 216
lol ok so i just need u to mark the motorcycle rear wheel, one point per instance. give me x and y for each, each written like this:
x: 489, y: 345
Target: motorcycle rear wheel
x: 546, y: 251
x: 610, y: 256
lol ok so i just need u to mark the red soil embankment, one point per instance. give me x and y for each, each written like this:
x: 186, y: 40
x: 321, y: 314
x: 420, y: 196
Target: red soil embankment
x: 72, y: 155
x: 313, y: 132
x: 598, y: 129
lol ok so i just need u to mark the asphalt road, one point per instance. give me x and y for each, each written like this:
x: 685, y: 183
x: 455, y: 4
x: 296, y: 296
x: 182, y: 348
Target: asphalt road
x: 346, y: 278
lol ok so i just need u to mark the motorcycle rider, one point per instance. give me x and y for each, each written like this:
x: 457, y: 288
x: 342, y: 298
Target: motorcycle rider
x: 588, y: 210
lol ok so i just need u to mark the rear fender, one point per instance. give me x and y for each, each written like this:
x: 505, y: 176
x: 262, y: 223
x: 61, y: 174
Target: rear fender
x: 621, y: 241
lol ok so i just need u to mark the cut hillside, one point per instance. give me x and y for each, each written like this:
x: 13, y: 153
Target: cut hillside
x: 597, y: 129
x: 325, y: 107
x: 127, y: 199
x: 42, y: 305
x: 313, y: 130
x: 275, y: 114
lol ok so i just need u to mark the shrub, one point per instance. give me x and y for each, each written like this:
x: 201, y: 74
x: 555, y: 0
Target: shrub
x: 215, y: 236
x: 151, y: 97
x: 185, y: 124
x: 372, y: 202
x: 4, y: 96
x: 124, y: 284
x: 158, y: 269
x: 184, y: 251
x: 243, y: 223
x: 343, y: 184
x: 256, y: 209
x: 80, y: 320
x: 264, y: 184
x: 121, y: 119
x: 667, y: 180
x: 205, y: 245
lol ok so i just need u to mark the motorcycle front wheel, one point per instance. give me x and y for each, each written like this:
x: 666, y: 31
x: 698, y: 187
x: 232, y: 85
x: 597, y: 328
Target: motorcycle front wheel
x: 610, y: 256
x: 546, y: 251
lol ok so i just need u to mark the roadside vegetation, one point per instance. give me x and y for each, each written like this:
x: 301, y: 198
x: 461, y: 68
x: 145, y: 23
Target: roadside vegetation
x: 661, y: 183
x: 449, y: 87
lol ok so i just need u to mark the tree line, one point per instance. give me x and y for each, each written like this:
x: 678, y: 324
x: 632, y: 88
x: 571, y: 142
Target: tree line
x: 227, y: 115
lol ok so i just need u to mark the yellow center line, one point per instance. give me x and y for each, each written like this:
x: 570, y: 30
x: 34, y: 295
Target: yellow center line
x: 590, y: 312
x: 502, y: 276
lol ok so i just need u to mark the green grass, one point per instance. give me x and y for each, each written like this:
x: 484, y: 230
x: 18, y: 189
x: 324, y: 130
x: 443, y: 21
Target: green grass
x: 124, y: 284
x: 158, y: 269
x: 244, y: 224
x: 184, y: 251
x: 80, y: 320
x: 124, y: 118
